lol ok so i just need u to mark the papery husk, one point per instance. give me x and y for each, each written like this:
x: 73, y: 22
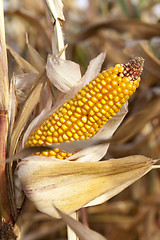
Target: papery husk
x: 63, y: 74
x: 71, y: 185
x: 64, y: 82
x: 26, y: 111
x: 34, y: 57
x: 25, y: 81
x: 40, y: 118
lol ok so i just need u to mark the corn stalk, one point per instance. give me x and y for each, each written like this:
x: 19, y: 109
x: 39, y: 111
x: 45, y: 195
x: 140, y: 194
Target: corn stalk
x: 5, y: 213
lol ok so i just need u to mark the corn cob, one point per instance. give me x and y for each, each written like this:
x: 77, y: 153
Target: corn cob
x: 84, y: 114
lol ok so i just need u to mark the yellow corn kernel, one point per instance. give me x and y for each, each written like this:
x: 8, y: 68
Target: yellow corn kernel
x: 85, y: 113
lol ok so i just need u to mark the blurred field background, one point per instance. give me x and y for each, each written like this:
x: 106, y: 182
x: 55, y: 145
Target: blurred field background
x: 124, y: 29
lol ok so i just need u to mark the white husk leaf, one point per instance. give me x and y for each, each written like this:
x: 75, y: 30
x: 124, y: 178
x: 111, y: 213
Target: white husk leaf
x: 70, y: 185
x: 63, y: 74
x: 25, y: 81
x: 41, y: 117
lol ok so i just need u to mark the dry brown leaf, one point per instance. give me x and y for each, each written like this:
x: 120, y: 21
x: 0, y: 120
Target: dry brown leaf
x: 25, y: 81
x: 57, y: 17
x: 138, y: 28
x: 24, y: 65
x: 137, y: 121
x: 83, y: 232
x: 141, y: 48
x: 63, y: 74
x: 26, y: 110
x: 70, y: 185
x: 35, y: 59
x: 34, y: 21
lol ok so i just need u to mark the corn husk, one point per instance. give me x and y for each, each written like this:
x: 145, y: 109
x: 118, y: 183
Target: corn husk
x: 71, y: 185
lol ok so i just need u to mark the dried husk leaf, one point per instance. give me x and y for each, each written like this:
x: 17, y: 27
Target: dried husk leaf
x: 63, y: 74
x: 71, y: 185
x: 92, y: 71
x: 26, y: 110
x: 141, y: 48
x: 83, y: 232
x: 35, y: 59
x: 41, y: 117
x: 25, y: 81
x: 24, y: 65
x: 65, y: 146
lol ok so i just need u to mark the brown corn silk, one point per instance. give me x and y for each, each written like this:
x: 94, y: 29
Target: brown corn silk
x: 85, y: 113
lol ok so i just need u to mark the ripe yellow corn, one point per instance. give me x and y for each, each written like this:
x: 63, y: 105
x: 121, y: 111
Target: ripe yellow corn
x: 84, y: 114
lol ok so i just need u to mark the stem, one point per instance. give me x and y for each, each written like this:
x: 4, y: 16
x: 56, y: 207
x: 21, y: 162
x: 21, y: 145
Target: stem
x: 4, y: 202
x: 70, y: 233
x: 84, y: 217
x: 4, y: 99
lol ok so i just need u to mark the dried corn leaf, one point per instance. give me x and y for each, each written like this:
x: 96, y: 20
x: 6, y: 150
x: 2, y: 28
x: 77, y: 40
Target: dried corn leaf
x: 25, y: 81
x: 26, y: 110
x: 70, y: 185
x: 137, y: 28
x: 83, y: 232
x: 24, y: 65
x: 141, y: 48
x: 63, y: 74
x: 35, y: 59
x: 137, y: 121
x: 56, y: 10
x: 34, y: 21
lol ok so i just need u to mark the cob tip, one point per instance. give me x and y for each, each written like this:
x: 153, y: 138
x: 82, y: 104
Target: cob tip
x: 133, y: 68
